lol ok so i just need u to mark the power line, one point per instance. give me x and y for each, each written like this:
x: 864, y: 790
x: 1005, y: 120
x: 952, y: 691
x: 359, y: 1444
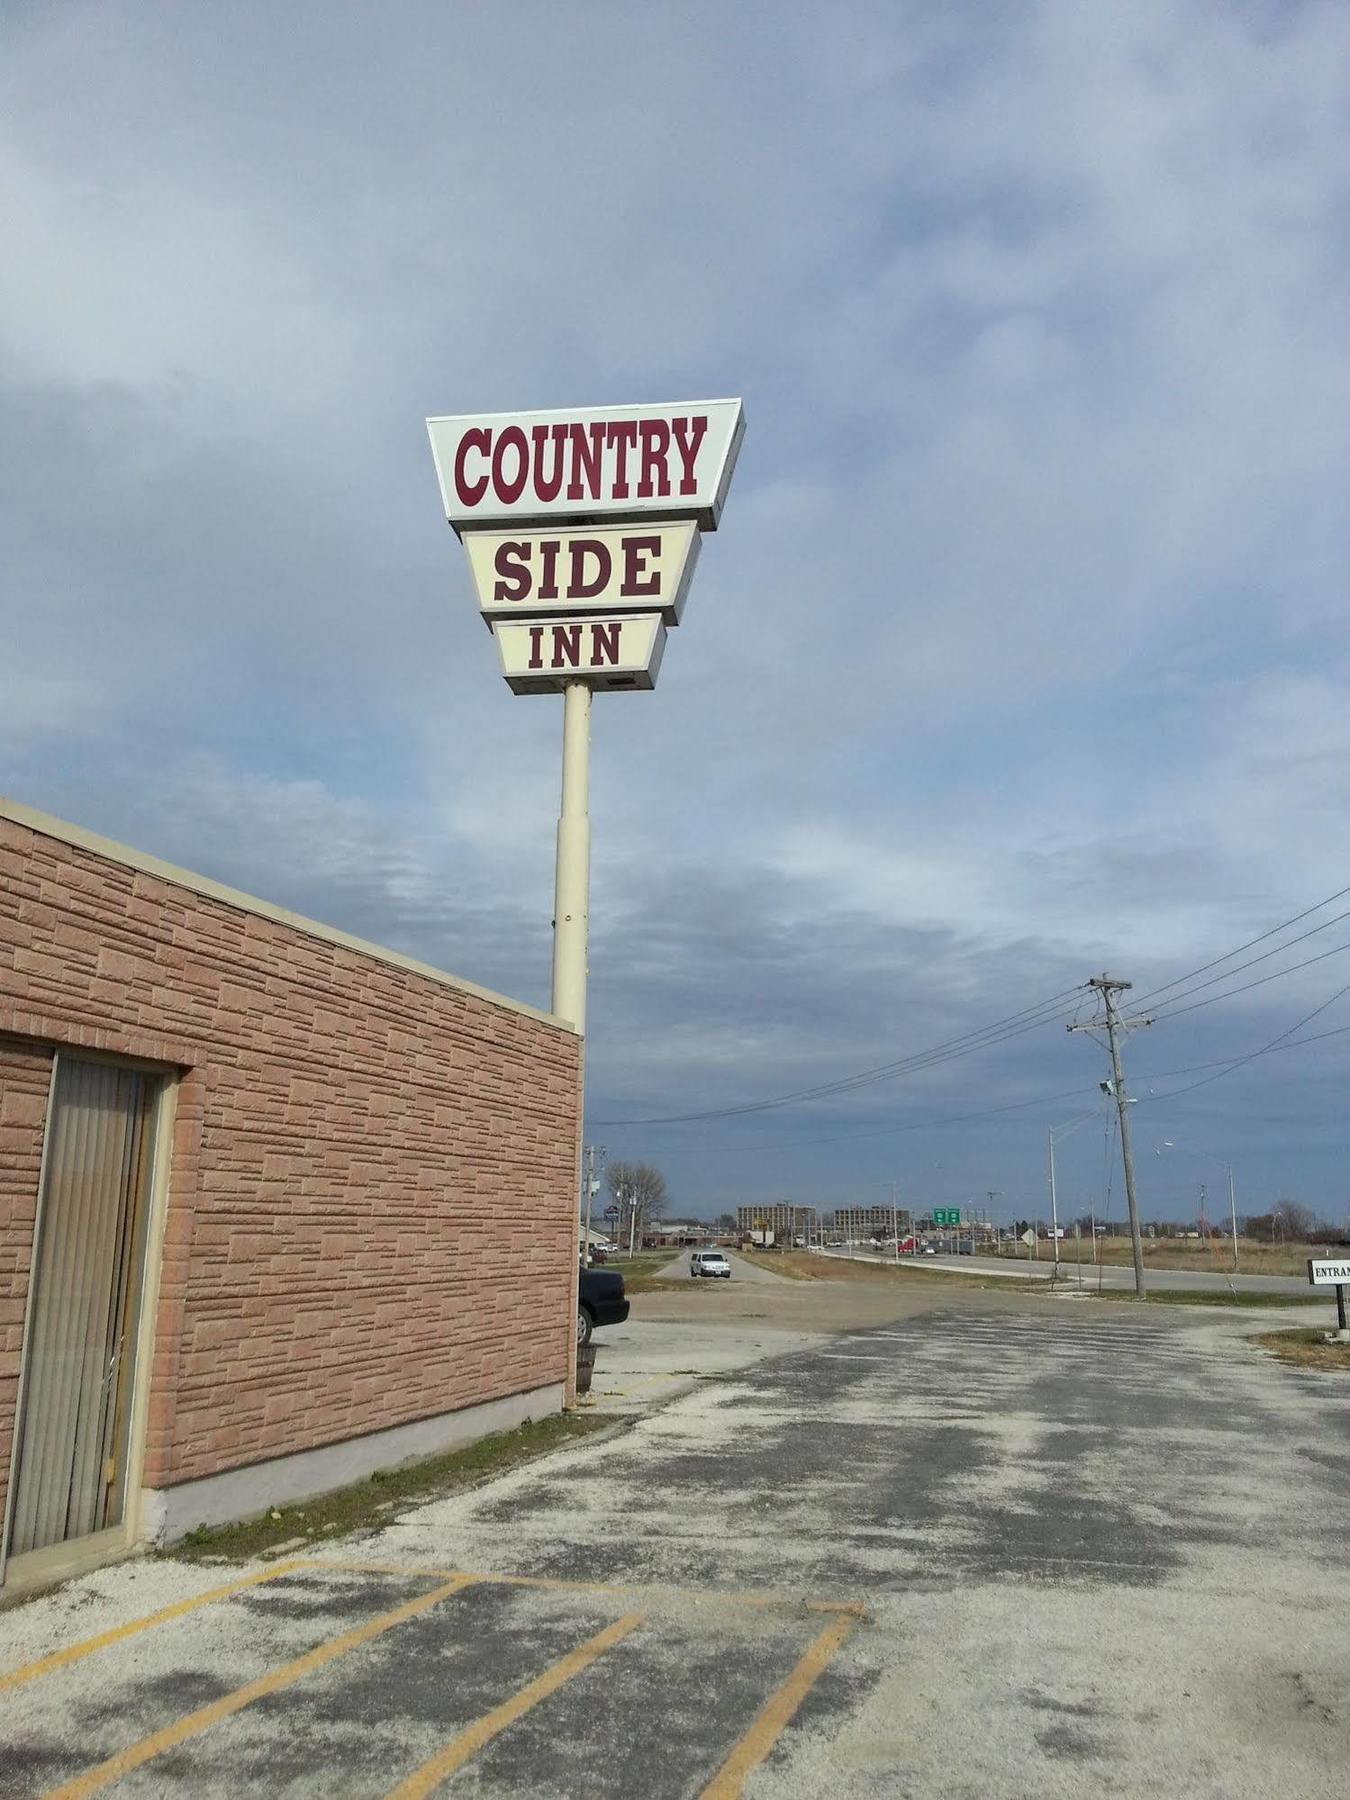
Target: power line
x: 1265, y: 1049
x: 848, y: 1137
x: 1249, y: 945
x: 1227, y: 1062
x: 1265, y: 956
x: 966, y: 1043
x: 1247, y: 986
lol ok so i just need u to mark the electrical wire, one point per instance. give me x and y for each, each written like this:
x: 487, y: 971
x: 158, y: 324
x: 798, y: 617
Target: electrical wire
x: 1228, y: 1062
x: 1247, y: 986
x: 1251, y: 944
x: 1265, y: 1049
x: 1279, y: 950
x: 966, y: 1043
x: 848, y: 1137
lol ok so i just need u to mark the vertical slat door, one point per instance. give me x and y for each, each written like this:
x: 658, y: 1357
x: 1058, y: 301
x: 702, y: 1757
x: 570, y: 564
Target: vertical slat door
x: 78, y: 1356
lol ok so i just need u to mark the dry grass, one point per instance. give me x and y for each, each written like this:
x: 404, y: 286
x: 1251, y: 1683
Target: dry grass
x: 385, y: 1494
x: 1213, y: 1255
x: 1305, y: 1349
x: 805, y: 1265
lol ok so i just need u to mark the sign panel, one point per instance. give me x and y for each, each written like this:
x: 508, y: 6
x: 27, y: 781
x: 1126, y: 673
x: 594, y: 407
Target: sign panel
x: 946, y: 1215
x: 540, y: 656
x: 1323, y: 1272
x: 618, y: 568
x: 594, y: 463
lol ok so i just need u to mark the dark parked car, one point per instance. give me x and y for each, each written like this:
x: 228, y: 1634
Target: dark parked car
x: 600, y: 1301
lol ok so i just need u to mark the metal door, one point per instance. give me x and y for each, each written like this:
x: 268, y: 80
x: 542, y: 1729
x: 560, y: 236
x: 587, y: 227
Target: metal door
x: 88, y: 1269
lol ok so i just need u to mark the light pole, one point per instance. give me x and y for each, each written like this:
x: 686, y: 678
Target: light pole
x: 1053, y: 1135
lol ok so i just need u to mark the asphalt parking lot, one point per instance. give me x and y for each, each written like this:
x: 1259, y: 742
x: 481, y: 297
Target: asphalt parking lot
x: 969, y: 1551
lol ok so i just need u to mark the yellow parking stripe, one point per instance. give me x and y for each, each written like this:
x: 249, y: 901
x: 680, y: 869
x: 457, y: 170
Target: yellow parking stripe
x: 472, y: 1739
x: 776, y: 1712
x: 60, y: 1658
x: 196, y: 1722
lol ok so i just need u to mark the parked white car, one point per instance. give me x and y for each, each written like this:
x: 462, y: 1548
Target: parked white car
x: 709, y: 1262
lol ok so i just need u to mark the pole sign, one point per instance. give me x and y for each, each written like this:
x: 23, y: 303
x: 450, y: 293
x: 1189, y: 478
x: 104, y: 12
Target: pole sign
x: 600, y: 463
x: 521, y: 574
x: 541, y: 656
x: 581, y: 530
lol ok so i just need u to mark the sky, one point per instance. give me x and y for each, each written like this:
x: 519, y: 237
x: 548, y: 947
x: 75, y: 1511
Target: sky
x: 1021, y: 653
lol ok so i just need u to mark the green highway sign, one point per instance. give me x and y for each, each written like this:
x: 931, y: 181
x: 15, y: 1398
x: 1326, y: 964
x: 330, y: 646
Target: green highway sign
x: 947, y: 1215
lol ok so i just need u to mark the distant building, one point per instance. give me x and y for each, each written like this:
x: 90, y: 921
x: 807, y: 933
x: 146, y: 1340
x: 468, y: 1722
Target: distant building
x: 858, y: 1223
x: 782, y: 1221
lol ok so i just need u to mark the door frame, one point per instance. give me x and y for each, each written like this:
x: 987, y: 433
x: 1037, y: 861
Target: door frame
x: 54, y: 1562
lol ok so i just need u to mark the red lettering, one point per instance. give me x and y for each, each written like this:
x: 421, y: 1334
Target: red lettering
x: 689, y: 448
x: 605, y: 642
x: 635, y: 552
x: 587, y: 443
x: 566, y: 645
x: 513, y: 438
x: 655, y: 455
x: 512, y: 563
x: 536, y: 647
x: 548, y: 550
x: 621, y: 437
x: 469, y: 493
x: 578, y: 588
x: 546, y: 486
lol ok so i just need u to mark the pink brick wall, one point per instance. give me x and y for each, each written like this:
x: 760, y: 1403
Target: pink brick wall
x: 372, y: 1196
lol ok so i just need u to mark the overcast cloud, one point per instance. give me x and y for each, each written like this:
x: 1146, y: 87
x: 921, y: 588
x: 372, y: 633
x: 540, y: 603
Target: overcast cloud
x: 1022, y: 650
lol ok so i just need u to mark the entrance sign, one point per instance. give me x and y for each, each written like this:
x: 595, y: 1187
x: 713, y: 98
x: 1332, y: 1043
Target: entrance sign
x: 1326, y: 1271
x: 607, y: 462
x: 543, y: 655
x: 603, y: 569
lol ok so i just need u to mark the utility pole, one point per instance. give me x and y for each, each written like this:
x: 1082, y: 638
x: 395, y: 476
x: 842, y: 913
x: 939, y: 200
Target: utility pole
x: 895, y: 1224
x: 1115, y: 1025
x: 590, y: 1192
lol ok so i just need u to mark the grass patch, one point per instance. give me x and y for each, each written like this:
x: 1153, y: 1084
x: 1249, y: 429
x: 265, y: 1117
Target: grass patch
x: 1304, y: 1349
x: 380, y: 1498
x: 811, y: 1267
x: 1210, y: 1256
x: 1202, y: 1297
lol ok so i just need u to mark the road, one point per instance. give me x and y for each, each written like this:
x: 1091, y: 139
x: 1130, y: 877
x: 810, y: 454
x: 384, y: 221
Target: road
x: 743, y: 1268
x: 1114, y: 1276
x: 993, y: 1548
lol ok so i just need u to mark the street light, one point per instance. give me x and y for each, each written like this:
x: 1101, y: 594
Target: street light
x: 1053, y: 1135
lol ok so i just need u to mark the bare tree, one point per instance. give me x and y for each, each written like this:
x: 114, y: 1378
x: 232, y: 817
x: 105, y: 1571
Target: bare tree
x: 639, y: 1191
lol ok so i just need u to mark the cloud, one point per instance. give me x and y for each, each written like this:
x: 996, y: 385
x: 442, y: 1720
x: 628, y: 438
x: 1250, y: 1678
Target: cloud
x: 1022, y: 647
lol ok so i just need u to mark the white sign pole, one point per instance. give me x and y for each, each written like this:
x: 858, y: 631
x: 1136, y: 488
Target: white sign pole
x: 572, y: 877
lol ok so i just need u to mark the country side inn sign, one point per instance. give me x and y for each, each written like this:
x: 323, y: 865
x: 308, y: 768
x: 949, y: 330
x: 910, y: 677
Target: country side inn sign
x: 582, y: 530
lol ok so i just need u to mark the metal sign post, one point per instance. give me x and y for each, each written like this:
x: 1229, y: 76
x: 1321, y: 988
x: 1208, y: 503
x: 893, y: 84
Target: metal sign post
x: 572, y: 877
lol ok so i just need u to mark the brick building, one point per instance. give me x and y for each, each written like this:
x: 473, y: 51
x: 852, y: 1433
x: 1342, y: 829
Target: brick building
x: 277, y: 1206
x: 784, y: 1221
x: 856, y: 1223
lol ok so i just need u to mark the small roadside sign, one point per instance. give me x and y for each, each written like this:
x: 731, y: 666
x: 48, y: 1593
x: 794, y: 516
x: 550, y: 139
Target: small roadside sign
x: 1326, y: 1271
x: 1028, y: 1237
